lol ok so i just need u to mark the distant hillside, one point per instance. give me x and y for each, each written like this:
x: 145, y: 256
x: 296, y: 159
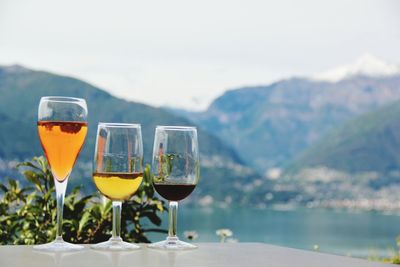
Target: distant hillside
x: 368, y: 143
x: 356, y: 165
x: 21, y: 89
x: 271, y: 125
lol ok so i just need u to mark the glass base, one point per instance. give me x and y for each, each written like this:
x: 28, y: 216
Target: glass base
x: 115, y: 244
x: 172, y: 243
x: 58, y: 245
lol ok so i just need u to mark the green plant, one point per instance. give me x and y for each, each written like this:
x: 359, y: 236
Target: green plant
x: 27, y: 213
x: 394, y: 258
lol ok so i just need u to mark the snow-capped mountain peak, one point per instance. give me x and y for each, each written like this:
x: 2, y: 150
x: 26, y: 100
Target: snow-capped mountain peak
x: 367, y: 65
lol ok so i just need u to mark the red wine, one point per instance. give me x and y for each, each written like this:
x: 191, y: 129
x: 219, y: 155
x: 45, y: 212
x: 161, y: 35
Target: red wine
x: 174, y: 192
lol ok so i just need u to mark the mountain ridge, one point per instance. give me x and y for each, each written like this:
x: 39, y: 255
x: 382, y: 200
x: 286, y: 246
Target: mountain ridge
x: 269, y: 125
x: 74, y: 86
x: 369, y: 142
x: 21, y: 90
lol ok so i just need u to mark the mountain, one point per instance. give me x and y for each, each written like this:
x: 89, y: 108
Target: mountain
x: 356, y: 165
x: 368, y: 143
x: 316, y: 130
x: 367, y: 65
x: 271, y: 125
x: 22, y: 88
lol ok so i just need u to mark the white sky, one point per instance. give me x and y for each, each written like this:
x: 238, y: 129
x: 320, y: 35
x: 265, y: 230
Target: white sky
x: 185, y: 53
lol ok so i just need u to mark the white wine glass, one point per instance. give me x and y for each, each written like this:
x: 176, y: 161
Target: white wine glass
x: 118, y: 173
x: 175, y: 172
x: 62, y: 128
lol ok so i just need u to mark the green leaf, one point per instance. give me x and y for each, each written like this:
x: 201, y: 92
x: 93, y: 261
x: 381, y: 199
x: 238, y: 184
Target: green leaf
x: 83, y: 221
x: 32, y: 177
x: 28, y: 164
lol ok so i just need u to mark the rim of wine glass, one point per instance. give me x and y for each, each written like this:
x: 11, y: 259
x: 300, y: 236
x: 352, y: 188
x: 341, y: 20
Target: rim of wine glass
x: 62, y: 99
x: 177, y: 128
x: 117, y: 124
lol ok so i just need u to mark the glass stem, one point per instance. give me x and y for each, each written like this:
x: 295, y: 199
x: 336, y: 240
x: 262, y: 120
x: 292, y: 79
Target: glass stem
x: 61, y: 187
x: 173, y: 210
x: 116, y: 231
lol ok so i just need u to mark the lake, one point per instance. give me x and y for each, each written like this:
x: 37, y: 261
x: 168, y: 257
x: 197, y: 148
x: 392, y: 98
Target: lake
x: 357, y: 234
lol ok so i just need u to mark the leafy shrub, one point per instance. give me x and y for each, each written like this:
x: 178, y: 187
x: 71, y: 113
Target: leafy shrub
x: 28, y: 213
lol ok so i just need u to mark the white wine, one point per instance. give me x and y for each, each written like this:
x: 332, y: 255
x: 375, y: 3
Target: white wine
x: 118, y: 185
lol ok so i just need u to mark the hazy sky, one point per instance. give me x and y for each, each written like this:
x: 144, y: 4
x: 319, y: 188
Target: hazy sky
x: 182, y: 52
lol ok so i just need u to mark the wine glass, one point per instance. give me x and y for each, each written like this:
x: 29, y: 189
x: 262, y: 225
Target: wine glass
x: 62, y: 128
x: 176, y: 171
x: 118, y: 172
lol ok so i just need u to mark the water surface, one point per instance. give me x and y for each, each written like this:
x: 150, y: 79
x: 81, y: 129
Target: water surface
x: 357, y: 234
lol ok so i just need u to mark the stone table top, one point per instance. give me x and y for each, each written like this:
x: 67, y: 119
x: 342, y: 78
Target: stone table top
x: 206, y: 255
